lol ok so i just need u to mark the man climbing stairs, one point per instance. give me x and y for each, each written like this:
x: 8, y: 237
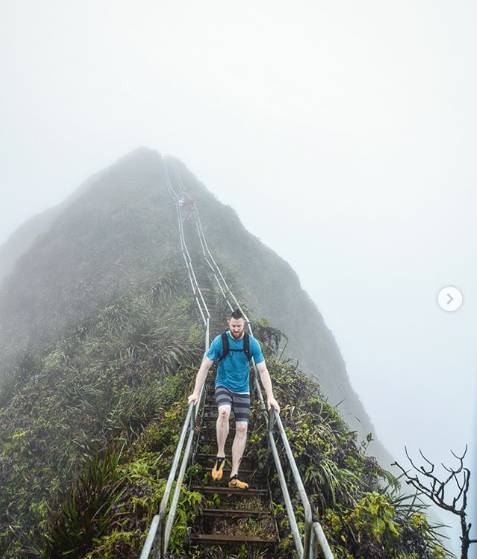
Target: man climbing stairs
x: 231, y: 520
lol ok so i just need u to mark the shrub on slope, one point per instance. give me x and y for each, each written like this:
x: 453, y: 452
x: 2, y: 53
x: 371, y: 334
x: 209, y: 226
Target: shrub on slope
x: 103, y: 382
x: 358, y: 503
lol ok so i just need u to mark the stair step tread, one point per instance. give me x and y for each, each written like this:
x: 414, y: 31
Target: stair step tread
x: 211, y: 423
x: 235, y: 512
x: 228, y: 538
x: 245, y: 472
x: 212, y: 457
x: 213, y: 431
x: 228, y: 490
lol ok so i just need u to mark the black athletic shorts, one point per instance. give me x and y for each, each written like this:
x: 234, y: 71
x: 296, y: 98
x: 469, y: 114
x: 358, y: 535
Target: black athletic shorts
x: 240, y: 403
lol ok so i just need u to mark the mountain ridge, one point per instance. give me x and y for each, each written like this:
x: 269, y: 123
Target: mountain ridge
x: 106, y: 200
x: 101, y: 336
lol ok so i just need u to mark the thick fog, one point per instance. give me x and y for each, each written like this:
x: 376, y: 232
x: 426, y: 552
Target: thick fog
x: 343, y: 133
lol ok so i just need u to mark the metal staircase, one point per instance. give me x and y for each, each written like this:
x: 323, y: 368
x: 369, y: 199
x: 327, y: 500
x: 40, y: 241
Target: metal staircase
x: 227, y: 515
x: 230, y: 518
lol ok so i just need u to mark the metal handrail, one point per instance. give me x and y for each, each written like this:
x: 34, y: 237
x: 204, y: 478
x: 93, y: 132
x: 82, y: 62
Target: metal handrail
x: 186, y: 255
x: 317, y: 535
x: 313, y: 531
x: 160, y: 529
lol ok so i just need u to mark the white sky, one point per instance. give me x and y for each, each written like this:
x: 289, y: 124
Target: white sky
x: 343, y: 133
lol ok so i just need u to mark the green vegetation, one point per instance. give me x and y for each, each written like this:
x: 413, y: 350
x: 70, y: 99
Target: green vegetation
x: 100, y: 342
x: 80, y: 405
x: 109, y: 509
x: 88, y: 441
x: 357, y: 502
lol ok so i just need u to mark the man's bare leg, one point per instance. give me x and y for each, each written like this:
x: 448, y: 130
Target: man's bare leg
x: 222, y: 432
x: 222, y: 429
x: 238, y: 446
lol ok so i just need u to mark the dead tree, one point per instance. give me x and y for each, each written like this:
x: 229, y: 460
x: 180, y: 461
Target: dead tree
x: 435, y: 489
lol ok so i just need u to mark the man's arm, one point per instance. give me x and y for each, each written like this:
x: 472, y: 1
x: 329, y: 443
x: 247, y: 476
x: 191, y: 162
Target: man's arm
x: 200, y: 378
x: 267, y: 384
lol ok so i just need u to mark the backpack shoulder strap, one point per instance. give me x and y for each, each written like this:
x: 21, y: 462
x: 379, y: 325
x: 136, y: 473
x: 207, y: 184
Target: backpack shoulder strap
x: 225, y: 346
x: 246, y: 346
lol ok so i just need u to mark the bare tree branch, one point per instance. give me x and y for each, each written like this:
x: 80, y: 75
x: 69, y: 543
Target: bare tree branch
x: 426, y: 482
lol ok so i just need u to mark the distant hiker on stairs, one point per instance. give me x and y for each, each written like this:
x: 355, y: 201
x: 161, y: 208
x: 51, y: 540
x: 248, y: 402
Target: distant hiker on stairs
x: 232, y: 352
x: 187, y: 205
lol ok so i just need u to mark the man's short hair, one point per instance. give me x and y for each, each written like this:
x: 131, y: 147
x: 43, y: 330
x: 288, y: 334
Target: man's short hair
x: 237, y: 313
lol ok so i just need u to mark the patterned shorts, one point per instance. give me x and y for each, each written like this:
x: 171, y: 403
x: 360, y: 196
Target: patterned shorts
x: 240, y: 403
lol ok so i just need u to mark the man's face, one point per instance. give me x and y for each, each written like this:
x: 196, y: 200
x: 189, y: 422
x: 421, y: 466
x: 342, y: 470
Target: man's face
x: 236, y: 326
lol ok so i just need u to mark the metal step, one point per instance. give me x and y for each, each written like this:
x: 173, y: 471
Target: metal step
x: 213, y: 430
x: 210, y: 458
x: 211, y: 422
x: 242, y: 471
x: 205, y: 447
x: 210, y: 489
x: 210, y: 435
x: 224, y: 539
x: 211, y: 438
x: 257, y: 479
x: 234, y: 513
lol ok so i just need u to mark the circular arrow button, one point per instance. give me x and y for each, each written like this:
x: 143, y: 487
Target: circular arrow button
x: 450, y: 298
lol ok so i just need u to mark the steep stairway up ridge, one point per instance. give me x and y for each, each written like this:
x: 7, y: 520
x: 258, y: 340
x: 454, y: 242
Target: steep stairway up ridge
x: 230, y: 520
x: 214, y: 301
x: 218, y: 530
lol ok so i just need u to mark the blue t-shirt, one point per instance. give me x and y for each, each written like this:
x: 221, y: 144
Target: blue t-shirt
x: 233, y: 372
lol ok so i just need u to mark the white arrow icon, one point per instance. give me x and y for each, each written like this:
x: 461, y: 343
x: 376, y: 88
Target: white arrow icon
x: 450, y: 298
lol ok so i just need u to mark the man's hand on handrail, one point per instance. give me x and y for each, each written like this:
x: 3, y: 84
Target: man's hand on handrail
x: 272, y: 403
x: 267, y: 384
x: 200, y: 378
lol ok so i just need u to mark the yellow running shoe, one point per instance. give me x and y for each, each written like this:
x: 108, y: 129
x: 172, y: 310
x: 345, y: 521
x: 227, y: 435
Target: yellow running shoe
x: 235, y: 483
x: 218, y: 469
